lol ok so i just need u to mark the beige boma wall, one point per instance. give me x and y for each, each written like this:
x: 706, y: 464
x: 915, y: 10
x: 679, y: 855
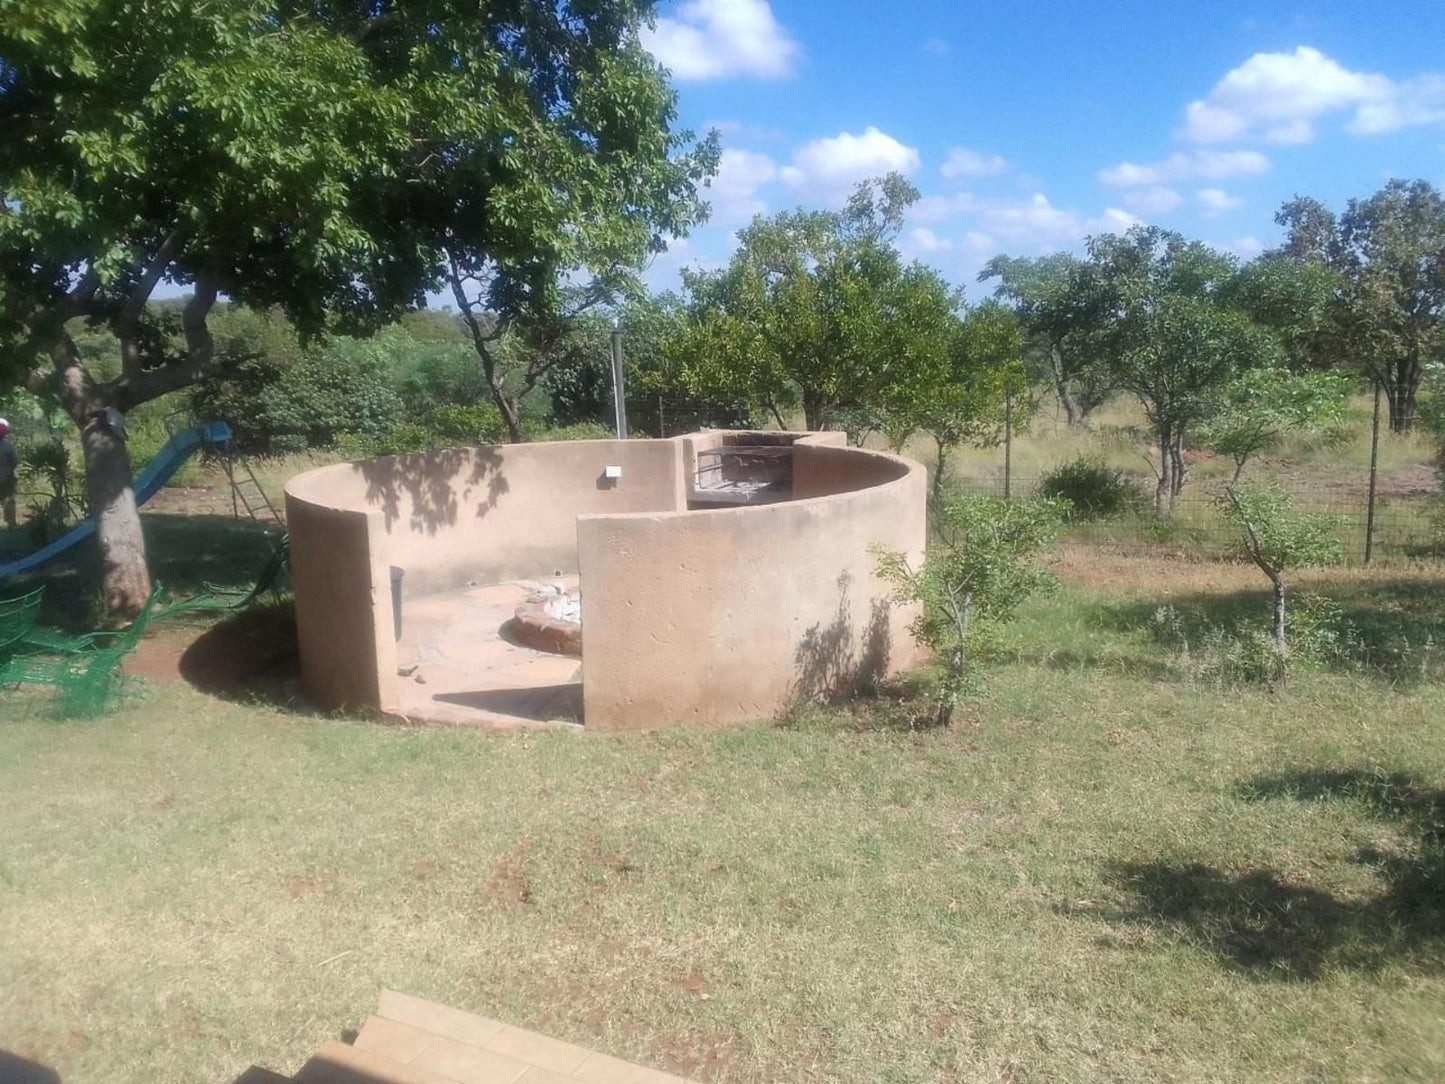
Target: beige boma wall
x: 699, y: 617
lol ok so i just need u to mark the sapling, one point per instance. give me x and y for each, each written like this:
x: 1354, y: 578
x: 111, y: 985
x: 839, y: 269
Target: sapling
x: 983, y: 562
x: 1278, y: 539
x: 1260, y: 406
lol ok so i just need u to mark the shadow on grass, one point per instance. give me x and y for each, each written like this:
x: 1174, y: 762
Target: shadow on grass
x: 17, y: 1070
x: 1396, y: 626
x: 185, y: 552
x: 252, y: 656
x: 1270, y: 926
x: 1151, y: 668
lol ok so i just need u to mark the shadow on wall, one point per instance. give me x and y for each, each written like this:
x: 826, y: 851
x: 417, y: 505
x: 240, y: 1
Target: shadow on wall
x: 827, y: 665
x: 17, y: 1070
x: 1269, y: 926
x: 434, y: 484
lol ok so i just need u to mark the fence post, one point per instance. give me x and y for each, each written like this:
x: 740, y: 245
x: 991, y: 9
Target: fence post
x: 619, y: 381
x: 1374, y: 473
x: 1008, y: 443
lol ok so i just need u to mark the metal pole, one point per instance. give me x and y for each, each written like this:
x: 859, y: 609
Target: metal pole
x: 1374, y: 473
x: 619, y: 382
x: 1008, y: 444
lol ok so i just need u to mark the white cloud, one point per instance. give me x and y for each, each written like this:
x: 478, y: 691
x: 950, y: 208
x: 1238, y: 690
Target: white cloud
x: 1277, y: 97
x: 1033, y: 223
x: 1215, y: 201
x: 922, y: 239
x: 962, y: 162
x: 716, y: 39
x: 1245, y: 247
x: 733, y: 130
x: 662, y: 272
x: 733, y: 193
x: 937, y: 47
x: 1154, y: 200
x: 834, y: 164
x: 1418, y: 101
x: 1202, y: 165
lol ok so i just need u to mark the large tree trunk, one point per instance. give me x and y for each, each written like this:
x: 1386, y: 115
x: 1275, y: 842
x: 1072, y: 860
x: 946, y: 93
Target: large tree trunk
x: 1400, y: 391
x: 940, y: 466
x: 511, y: 412
x: 1176, y: 457
x: 815, y: 413
x: 1164, y: 492
x: 1072, y: 412
x: 110, y: 500
x: 127, y: 583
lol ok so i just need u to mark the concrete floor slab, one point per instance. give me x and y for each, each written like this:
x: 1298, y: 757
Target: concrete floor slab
x: 458, y: 666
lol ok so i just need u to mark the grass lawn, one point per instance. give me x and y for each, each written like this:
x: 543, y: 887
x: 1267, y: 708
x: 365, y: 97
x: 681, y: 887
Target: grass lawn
x: 1103, y: 871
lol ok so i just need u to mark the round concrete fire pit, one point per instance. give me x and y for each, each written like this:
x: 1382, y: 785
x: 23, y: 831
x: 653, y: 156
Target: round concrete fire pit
x: 550, y: 620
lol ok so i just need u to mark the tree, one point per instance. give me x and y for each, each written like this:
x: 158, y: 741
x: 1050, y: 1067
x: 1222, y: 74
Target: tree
x: 1389, y: 308
x: 1260, y: 406
x: 1295, y: 300
x: 337, y: 161
x: 968, y: 401
x: 982, y: 564
x: 580, y: 386
x: 1277, y: 539
x: 817, y: 308
x: 1065, y: 310
x: 1177, y: 338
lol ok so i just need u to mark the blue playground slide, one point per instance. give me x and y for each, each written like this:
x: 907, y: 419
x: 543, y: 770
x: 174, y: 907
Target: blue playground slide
x: 146, y: 485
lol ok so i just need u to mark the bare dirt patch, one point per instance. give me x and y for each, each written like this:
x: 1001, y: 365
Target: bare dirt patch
x: 1107, y: 570
x: 509, y: 885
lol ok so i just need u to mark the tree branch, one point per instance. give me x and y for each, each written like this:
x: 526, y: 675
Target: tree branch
x: 139, y: 385
x: 151, y: 276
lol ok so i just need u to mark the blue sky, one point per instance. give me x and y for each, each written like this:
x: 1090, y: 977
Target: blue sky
x: 1029, y: 126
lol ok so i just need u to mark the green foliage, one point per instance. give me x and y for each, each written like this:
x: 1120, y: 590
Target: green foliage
x: 288, y: 400
x: 1063, y: 307
x: 1260, y: 406
x: 1295, y: 300
x: 1320, y: 636
x: 1093, y: 489
x: 1177, y: 337
x: 1387, y: 253
x: 1274, y: 535
x: 982, y: 565
x: 1277, y: 539
x: 53, y: 480
x: 579, y: 431
x: 817, y: 309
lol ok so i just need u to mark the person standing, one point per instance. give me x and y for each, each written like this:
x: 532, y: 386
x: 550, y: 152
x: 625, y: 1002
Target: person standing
x: 9, y: 464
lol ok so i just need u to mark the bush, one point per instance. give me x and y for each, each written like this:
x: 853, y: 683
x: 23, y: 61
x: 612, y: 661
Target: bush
x: 1320, y: 636
x: 277, y: 404
x: 1093, y: 489
x: 55, y: 482
x: 580, y: 431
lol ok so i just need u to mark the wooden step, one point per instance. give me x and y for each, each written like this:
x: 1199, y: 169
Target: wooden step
x: 338, y: 1063
x: 257, y: 1075
x: 459, y: 1061
x: 470, y: 1049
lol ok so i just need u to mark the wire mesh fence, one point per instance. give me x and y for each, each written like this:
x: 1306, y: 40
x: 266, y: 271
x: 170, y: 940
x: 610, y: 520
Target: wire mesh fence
x: 1404, y: 525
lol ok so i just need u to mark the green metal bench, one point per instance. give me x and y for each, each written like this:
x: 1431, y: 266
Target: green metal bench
x: 85, y: 669
x: 214, y: 599
x: 17, y: 619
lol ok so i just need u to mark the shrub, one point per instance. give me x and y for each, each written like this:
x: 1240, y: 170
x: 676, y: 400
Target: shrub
x: 1093, y: 489
x: 55, y: 482
x: 983, y: 563
x: 277, y: 402
x: 1319, y: 635
x: 579, y: 431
